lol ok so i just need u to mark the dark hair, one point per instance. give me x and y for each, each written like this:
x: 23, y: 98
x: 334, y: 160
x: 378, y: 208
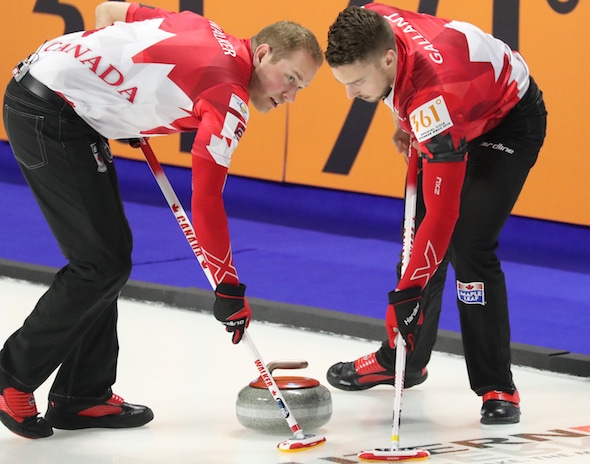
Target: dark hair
x: 358, y: 34
x: 286, y: 37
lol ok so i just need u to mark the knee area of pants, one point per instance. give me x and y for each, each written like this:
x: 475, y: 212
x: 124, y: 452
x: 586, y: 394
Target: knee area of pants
x: 121, y: 270
x: 115, y: 271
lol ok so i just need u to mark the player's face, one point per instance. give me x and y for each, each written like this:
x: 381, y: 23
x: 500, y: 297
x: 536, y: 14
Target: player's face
x: 368, y: 80
x: 275, y: 83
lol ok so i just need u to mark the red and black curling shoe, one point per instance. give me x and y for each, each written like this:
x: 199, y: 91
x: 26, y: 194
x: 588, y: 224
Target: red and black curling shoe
x: 114, y: 413
x: 366, y: 372
x: 500, y: 408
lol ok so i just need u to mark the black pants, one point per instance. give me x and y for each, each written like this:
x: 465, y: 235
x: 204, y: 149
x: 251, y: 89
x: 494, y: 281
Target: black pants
x: 69, y: 168
x: 497, y: 167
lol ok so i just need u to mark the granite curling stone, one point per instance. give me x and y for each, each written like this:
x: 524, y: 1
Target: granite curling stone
x: 308, y: 401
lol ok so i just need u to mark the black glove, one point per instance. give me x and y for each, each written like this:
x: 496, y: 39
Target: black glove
x: 134, y: 143
x: 404, y: 315
x: 232, y: 309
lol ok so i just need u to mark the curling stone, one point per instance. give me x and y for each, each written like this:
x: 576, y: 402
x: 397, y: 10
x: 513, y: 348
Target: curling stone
x: 308, y: 400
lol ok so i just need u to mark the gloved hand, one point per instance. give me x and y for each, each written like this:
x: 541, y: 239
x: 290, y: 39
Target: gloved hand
x: 404, y: 315
x: 232, y: 309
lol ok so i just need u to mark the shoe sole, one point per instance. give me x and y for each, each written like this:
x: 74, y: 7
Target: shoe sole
x: 500, y: 421
x: 74, y: 422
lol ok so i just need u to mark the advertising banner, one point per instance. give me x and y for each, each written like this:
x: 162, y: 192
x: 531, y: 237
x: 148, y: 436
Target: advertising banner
x: 328, y: 141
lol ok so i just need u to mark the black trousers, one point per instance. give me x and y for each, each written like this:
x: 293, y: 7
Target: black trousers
x: 497, y: 167
x: 73, y: 327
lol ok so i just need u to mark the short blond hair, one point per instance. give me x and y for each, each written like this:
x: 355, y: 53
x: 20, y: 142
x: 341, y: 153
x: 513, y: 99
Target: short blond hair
x: 286, y: 37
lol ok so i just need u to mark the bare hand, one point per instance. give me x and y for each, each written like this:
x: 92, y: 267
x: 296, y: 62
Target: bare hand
x: 401, y: 140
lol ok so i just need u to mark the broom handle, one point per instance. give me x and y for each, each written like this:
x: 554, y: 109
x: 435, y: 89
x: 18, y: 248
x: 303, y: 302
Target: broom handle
x: 189, y: 232
x: 408, y: 241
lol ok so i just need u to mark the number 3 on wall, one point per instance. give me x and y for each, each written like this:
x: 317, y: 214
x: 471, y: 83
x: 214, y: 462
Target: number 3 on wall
x: 72, y: 18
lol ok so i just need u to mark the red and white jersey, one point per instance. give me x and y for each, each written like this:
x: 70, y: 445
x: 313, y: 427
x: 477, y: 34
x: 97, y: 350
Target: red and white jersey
x: 454, y: 83
x: 159, y: 73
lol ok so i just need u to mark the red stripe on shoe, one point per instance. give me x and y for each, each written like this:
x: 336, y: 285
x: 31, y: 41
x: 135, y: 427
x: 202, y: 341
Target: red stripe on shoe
x: 375, y: 378
x: 111, y: 407
x: 502, y: 396
x: 101, y: 410
x: 17, y: 404
x: 368, y: 365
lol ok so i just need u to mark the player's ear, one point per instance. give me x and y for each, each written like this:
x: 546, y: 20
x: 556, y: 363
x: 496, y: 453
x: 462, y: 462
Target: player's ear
x: 390, y: 57
x: 261, y: 51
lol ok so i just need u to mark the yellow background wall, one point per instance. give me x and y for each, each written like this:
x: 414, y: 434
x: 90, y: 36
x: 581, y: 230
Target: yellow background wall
x: 293, y: 143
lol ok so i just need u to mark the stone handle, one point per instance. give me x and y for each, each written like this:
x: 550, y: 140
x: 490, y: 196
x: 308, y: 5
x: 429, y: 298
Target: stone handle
x: 272, y: 365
